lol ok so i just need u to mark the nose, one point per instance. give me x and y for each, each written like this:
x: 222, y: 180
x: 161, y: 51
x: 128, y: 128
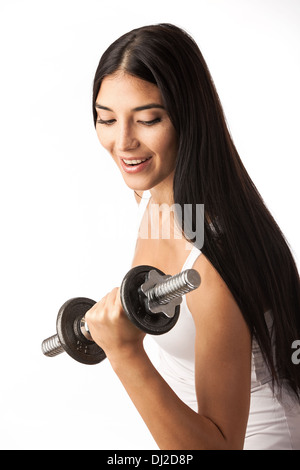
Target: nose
x: 126, y: 138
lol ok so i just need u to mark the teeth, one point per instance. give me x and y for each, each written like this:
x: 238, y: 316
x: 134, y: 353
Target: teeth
x: 134, y: 162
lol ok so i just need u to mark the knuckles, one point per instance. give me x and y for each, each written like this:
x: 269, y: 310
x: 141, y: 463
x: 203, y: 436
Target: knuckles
x: 109, y: 325
x: 108, y: 309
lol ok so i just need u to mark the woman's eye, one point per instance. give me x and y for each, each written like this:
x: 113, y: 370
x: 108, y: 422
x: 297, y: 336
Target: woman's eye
x: 151, y: 123
x: 108, y: 122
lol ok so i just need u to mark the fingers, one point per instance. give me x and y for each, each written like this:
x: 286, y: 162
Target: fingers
x: 106, y: 305
x: 110, y: 327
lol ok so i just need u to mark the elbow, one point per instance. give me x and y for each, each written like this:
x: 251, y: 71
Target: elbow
x: 217, y: 439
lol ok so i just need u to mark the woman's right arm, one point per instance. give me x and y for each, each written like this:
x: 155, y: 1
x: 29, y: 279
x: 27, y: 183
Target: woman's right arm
x: 223, y: 361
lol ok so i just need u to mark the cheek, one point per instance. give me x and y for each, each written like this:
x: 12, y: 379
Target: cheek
x: 168, y: 147
x: 104, y: 139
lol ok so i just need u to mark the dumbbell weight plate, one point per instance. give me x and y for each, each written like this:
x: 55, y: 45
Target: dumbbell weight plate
x: 134, y: 307
x: 69, y: 332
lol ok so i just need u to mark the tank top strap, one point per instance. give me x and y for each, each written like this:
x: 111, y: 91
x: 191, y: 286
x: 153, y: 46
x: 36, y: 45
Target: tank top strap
x: 193, y: 255
x: 143, y: 206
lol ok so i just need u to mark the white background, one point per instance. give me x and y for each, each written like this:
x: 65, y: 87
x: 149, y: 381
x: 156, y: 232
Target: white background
x: 67, y: 218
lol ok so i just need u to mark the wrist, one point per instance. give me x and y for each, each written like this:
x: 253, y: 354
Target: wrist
x: 128, y: 355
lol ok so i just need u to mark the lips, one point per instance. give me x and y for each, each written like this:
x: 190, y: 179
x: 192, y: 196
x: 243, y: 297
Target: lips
x: 134, y: 162
x: 135, y: 165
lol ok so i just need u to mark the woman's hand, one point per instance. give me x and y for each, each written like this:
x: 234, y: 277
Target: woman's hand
x: 112, y: 330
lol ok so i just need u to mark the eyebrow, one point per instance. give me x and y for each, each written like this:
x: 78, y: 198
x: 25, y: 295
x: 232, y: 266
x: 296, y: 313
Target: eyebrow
x: 139, y: 108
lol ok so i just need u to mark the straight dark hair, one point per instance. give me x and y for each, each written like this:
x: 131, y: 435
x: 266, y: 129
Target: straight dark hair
x: 241, y: 238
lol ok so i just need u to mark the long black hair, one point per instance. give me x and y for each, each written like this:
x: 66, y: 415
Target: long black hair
x: 241, y: 238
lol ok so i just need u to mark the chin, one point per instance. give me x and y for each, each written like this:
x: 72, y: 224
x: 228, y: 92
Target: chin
x: 138, y: 187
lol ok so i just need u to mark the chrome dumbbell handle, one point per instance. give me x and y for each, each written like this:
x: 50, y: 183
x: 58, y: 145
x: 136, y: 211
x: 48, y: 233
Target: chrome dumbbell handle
x: 52, y: 347
x: 165, y: 292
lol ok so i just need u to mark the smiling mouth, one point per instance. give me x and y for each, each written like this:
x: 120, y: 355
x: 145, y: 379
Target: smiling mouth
x: 134, y: 162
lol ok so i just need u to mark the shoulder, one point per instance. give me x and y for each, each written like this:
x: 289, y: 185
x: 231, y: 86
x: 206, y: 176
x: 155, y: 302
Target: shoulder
x: 213, y: 305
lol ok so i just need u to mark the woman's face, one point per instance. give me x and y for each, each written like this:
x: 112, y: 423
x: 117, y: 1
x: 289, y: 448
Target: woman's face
x: 134, y: 127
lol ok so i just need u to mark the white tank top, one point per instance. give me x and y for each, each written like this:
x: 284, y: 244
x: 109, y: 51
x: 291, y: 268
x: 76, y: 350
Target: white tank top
x: 274, y: 421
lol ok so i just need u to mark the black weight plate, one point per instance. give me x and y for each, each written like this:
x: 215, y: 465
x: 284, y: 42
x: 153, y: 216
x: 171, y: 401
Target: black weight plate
x: 134, y: 307
x: 71, y: 338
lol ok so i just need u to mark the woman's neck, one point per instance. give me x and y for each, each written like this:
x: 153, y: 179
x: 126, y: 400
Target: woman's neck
x: 163, y: 192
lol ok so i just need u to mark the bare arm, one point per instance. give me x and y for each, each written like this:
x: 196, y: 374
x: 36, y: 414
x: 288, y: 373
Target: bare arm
x: 223, y: 357
x: 171, y: 422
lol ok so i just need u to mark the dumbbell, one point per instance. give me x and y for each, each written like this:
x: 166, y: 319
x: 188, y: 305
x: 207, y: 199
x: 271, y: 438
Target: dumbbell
x: 150, y: 299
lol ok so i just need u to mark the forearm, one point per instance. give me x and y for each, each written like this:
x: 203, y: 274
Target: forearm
x: 171, y: 422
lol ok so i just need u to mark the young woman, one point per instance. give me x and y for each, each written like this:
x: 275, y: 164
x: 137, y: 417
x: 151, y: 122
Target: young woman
x: 227, y: 379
